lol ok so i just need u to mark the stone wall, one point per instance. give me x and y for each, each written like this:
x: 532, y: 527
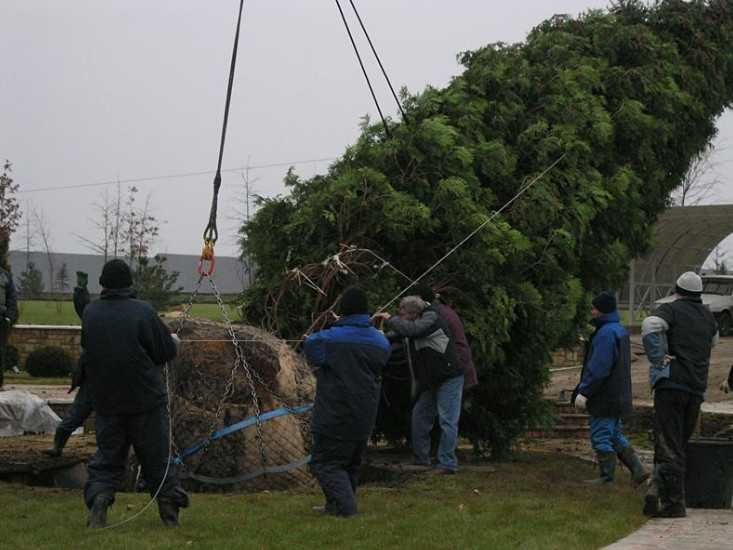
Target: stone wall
x: 29, y: 337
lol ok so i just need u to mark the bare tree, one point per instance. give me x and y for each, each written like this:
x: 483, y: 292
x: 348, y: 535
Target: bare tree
x: 719, y: 261
x: 139, y: 230
x: 700, y: 180
x: 107, y: 224
x: 30, y: 233
x: 10, y: 214
x: 44, y: 232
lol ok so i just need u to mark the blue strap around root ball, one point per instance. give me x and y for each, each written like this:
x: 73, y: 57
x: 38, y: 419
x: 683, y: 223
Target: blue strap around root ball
x: 243, y: 424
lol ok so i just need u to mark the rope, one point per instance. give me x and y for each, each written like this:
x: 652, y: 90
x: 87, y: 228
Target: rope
x: 474, y: 232
x: 211, y: 233
x: 363, y: 69
x: 376, y: 55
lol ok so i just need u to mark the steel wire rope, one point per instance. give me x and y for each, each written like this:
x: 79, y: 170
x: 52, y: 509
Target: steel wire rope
x: 363, y: 69
x: 379, y: 61
x: 491, y: 218
x: 211, y: 233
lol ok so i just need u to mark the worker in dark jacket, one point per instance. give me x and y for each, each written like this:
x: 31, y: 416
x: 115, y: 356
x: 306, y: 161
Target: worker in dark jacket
x: 439, y: 377
x: 348, y: 360
x: 463, y: 350
x: 126, y: 345
x: 81, y: 408
x: 605, y: 391
x: 8, y: 300
x: 679, y: 388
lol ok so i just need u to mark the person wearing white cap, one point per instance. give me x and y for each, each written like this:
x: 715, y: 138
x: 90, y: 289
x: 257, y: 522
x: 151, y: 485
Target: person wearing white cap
x: 678, y: 339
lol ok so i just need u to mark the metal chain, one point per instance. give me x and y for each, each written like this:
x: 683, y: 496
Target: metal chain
x: 238, y: 361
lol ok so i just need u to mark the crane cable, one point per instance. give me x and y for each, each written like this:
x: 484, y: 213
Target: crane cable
x: 211, y: 233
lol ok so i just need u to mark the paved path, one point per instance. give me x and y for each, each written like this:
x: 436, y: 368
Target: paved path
x: 700, y: 530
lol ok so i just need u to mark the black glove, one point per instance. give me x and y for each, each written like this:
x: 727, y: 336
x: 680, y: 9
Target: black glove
x: 82, y: 279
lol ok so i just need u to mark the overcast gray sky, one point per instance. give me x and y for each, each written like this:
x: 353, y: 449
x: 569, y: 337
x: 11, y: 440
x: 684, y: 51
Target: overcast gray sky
x: 96, y: 90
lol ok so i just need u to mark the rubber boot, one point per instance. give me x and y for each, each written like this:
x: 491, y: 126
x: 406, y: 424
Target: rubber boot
x: 168, y: 506
x: 651, y: 499
x: 629, y: 458
x: 671, y: 495
x: 59, y: 442
x: 607, y: 469
x: 168, y: 511
x: 98, y: 512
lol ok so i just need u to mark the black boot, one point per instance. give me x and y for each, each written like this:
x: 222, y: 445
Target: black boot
x: 629, y: 458
x: 671, y: 495
x: 607, y: 468
x: 168, y: 512
x: 169, y: 506
x: 98, y: 512
x: 651, y: 499
x: 59, y: 442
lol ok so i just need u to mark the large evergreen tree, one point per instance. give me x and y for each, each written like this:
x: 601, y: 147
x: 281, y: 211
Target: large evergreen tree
x: 629, y: 96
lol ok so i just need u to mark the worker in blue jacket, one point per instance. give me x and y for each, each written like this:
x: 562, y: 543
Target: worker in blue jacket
x: 605, y: 391
x: 348, y: 359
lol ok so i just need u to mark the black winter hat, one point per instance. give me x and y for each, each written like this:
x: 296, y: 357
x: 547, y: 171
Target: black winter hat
x: 353, y: 301
x: 116, y: 274
x: 605, y: 302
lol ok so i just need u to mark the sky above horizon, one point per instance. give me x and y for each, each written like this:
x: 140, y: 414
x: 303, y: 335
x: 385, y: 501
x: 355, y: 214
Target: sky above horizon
x: 102, y: 91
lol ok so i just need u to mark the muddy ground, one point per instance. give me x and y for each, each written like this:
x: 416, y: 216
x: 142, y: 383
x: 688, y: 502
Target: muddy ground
x: 720, y: 362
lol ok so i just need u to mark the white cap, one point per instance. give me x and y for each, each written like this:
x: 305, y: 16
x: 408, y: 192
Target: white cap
x: 690, y: 281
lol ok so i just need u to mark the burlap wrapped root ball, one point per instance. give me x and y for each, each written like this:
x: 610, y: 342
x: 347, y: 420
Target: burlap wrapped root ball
x: 199, y: 383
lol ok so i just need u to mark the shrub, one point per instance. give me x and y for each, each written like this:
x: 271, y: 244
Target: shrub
x: 11, y: 358
x: 48, y: 362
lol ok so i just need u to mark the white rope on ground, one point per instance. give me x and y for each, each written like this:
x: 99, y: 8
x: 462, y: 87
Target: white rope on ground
x: 474, y: 232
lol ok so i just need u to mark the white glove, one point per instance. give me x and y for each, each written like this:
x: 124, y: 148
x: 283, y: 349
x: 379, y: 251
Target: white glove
x: 580, y: 401
x: 176, y: 340
x: 724, y: 387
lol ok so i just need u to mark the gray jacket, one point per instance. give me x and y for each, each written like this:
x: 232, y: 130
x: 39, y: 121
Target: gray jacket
x: 435, y: 353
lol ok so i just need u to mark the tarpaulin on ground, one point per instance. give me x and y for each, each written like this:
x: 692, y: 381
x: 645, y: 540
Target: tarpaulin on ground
x: 22, y: 412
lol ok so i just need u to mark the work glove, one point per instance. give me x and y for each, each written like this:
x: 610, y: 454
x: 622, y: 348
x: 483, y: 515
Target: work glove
x: 580, y: 401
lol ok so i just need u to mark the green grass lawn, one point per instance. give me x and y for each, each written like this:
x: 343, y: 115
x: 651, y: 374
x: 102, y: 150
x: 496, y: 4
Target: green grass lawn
x: 535, y: 503
x: 42, y: 312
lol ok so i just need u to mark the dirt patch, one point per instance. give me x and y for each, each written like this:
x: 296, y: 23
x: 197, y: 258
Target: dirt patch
x: 720, y: 363
x: 24, y: 454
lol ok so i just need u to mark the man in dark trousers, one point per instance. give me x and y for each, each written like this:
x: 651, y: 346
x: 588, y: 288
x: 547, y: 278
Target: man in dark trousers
x: 679, y: 385
x: 605, y: 391
x: 8, y: 299
x: 348, y: 358
x: 126, y: 345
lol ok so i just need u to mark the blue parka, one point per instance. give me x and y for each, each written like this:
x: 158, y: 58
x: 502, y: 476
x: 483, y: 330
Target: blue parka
x: 606, y: 376
x: 349, y: 358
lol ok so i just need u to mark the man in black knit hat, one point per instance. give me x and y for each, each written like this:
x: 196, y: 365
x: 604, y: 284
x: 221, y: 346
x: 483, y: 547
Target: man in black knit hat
x: 605, y: 391
x: 348, y: 360
x: 126, y: 345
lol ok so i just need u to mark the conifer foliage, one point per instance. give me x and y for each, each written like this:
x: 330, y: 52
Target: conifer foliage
x: 629, y: 95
